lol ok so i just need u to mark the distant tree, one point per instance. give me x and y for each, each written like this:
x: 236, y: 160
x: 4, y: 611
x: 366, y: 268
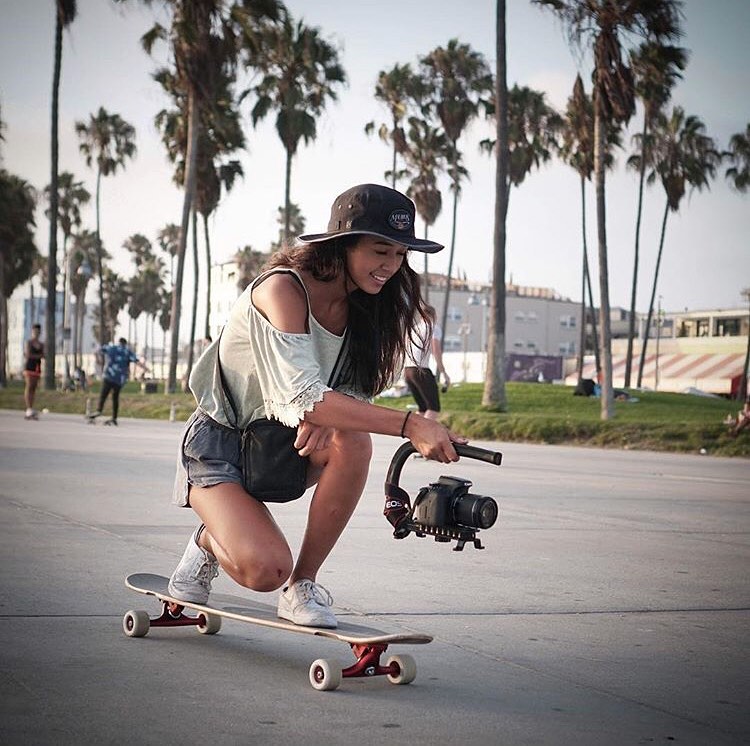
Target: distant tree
x: 607, y: 28
x: 106, y: 141
x: 296, y: 224
x: 681, y: 156
x: 249, y: 263
x: 738, y: 156
x: 300, y: 72
x: 394, y: 89
x: 493, y: 395
x: 18, y: 251
x: 84, y: 253
x: 65, y: 13
x: 656, y: 68
x: 457, y: 83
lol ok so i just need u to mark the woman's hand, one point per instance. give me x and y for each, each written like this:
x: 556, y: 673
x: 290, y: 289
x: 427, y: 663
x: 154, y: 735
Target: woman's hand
x: 312, y: 438
x: 433, y: 440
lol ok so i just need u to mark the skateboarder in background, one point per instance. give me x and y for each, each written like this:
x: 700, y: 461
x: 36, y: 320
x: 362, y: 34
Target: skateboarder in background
x: 277, y: 351
x: 33, y: 352
x: 117, y: 359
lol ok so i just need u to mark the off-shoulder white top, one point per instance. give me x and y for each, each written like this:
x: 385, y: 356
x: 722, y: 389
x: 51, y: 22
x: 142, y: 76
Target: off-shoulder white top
x: 269, y: 373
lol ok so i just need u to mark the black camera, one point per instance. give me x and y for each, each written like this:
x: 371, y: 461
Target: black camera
x: 444, y: 509
x: 448, y: 503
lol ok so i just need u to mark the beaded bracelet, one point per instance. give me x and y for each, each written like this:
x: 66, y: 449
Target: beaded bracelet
x: 403, y: 424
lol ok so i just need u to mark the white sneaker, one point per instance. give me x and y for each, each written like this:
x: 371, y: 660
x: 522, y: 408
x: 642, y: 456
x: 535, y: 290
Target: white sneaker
x: 304, y: 603
x: 191, y: 580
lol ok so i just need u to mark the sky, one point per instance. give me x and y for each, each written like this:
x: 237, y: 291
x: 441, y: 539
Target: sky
x: 706, y: 261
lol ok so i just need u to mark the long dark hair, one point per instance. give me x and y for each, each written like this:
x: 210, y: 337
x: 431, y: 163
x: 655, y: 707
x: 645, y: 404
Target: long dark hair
x: 379, y: 325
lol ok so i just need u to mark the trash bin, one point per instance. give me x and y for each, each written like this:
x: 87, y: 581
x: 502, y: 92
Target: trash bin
x: 149, y: 387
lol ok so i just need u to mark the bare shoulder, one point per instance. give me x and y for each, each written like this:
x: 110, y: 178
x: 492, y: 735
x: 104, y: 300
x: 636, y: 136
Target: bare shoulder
x: 282, y: 300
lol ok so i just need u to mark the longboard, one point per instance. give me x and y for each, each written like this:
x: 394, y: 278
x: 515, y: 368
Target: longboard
x: 367, y: 643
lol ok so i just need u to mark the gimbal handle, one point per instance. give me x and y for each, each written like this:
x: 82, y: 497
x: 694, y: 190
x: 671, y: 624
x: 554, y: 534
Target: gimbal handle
x: 405, y: 450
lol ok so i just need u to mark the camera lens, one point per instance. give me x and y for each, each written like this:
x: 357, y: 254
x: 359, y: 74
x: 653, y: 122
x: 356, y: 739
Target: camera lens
x: 475, y: 511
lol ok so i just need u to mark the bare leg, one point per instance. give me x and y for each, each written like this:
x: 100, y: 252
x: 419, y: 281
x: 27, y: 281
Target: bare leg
x: 30, y: 390
x: 242, y: 534
x: 343, y: 471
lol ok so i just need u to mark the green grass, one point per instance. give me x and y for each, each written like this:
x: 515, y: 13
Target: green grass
x: 536, y: 414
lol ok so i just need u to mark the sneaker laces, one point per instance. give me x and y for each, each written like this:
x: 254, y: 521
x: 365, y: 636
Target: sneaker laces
x: 308, y: 589
x: 207, y: 571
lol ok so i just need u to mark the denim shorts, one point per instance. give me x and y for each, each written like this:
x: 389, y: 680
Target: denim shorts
x: 209, y: 455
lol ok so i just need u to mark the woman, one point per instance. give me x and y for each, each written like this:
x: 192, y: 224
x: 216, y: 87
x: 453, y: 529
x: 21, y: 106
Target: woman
x: 33, y: 352
x: 276, y: 352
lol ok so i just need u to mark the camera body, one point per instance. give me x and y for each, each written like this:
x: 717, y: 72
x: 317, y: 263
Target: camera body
x: 448, y: 511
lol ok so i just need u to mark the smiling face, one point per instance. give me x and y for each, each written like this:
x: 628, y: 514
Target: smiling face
x: 372, y: 261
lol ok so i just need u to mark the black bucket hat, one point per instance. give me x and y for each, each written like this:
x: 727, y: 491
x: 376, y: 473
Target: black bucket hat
x: 375, y: 210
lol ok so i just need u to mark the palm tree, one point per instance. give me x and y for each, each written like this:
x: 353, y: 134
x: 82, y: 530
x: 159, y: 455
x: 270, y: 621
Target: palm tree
x: 249, y: 263
x: 657, y: 68
x: 107, y: 140
x: 738, y: 156
x: 296, y: 224
x: 300, y: 72
x: 738, y: 175
x: 533, y: 128
x: 65, y: 13
x: 425, y: 151
x: 577, y: 150
x: 394, y: 89
x: 83, y: 258
x: 606, y: 27
x: 457, y: 82
x: 18, y: 251
x: 494, y: 384
x: 681, y: 155
x: 71, y: 196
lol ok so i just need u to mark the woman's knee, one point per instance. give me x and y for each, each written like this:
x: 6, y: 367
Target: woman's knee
x: 262, y: 571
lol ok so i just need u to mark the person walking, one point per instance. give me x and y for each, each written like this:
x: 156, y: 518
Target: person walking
x: 347, y: 296
x: 117, y: 359
x: 418, y: 375
x: 33, y: 353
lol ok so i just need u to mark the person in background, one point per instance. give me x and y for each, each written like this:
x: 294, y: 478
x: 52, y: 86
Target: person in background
x: 33, y: 352
x: 417, y: 372
x: 117, y: 359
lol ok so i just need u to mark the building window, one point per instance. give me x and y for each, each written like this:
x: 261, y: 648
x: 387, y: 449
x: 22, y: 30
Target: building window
x: 452, y: 343
x: 568, y: 322
x: 532, y: 317
x: 454, y: 314
x: 519, y: 316
x: 567, y: 348
x: 519, y: 344
x: 531, y: 345
x: 728, y: 327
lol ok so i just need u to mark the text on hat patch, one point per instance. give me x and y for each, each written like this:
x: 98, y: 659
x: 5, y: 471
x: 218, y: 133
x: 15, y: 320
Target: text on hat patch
x: 400, y: 220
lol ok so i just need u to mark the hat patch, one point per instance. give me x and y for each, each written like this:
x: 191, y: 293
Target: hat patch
x: 400, y: 220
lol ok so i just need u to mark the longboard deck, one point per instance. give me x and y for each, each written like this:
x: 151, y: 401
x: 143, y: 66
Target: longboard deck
x: 253, y: 612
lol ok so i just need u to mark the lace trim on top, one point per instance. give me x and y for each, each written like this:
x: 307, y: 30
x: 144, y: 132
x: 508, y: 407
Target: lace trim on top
x: 293, y: 413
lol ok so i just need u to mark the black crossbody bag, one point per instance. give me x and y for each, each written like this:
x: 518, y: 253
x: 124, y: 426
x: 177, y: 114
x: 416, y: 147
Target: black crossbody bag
x: 272, y: 469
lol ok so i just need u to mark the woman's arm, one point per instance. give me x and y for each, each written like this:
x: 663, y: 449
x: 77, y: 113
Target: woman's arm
x: 429, y: 437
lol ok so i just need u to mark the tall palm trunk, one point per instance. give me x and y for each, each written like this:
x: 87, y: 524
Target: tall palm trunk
x: 187, y: 203
x: 207, y: 326
x: 584, y: 267
x: 287, y: 196
x: 103, y: 325
x: 426, y: 283
x: 653, y: 296
x: 450, y: 266
x: 191, y: 347
x: 631, y: 320
x: 600, y: 139
x: 50, y: 331
x: 494, y: 385
x: 3, y: 329
x: 393, y: 167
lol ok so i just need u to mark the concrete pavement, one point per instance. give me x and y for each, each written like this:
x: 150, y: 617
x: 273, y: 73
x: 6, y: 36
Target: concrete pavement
x: 611, y: 604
